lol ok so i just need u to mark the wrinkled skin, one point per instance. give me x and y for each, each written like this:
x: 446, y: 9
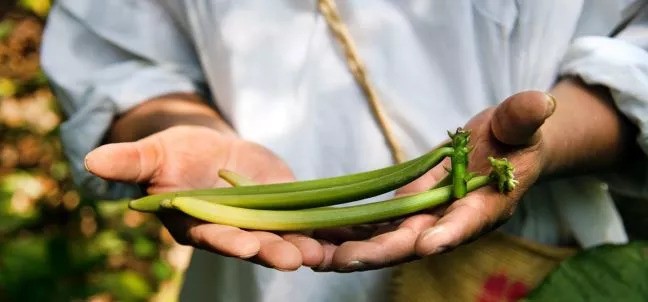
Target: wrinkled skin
x: 184, y: 157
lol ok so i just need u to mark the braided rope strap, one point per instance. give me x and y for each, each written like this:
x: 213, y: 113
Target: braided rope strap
x: 329, y: 10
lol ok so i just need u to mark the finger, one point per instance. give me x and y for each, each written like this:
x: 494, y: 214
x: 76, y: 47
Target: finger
x: 221, y: 239
x: 224, y: 240
x: 276, y: 252
x: 516, y: 120
x: 342, y: 234
x: 128, y: 162
x: 311, y: 250
x: 464, y: 219
x: 382, y: 250
x: 329, y: 251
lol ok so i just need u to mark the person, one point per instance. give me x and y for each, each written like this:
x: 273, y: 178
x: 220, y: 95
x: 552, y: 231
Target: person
x: 160, y: 95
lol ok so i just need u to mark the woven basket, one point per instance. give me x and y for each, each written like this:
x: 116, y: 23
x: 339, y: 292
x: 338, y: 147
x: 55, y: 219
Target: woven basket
x: 497, y: 267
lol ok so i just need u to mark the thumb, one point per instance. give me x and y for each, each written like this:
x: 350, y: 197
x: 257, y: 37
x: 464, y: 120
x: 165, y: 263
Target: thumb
x: 134, y: 162
x: 516, y: 120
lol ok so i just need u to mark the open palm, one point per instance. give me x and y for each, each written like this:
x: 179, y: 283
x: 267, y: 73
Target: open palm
x: 510, y: 130
x: 189, y: 157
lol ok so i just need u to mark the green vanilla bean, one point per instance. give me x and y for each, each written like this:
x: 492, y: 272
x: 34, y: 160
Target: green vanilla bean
x: 502, y: 175
x: 235, y: 179
x: 310, y: 193
x: 292, y: 220
x: 459, y: 162
x: 151, y: 203
x: 333, y: 195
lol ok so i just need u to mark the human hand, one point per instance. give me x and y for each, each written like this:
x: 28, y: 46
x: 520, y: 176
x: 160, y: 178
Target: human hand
x: 510, y: 130
x: 189, y: 157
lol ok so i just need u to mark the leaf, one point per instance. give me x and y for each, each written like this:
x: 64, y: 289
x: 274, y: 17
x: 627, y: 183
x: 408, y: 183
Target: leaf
x: 10, y: 221
x: 604, y: 273
x: 8, y: 87
x: 23, y: 181
x: 24, y: 258
x: 125, y: 286
x: 38, y: 7
x: 23, y: 263
x: 161, y: 270
x: 111, y: 208
x: 107, y: 243
x: 144, y: 248
x: 6, y: 26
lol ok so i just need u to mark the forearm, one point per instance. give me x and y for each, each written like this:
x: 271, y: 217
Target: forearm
x: 163, y: 112
x: 586, y: 133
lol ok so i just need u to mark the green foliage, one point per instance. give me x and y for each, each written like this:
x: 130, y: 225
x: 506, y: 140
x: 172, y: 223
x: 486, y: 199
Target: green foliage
x: 38, y: 7
x: 125, y: 286
x: 604, y: 273
x: 162, y: 270
x: 6, y: 27
x: 56, y: 245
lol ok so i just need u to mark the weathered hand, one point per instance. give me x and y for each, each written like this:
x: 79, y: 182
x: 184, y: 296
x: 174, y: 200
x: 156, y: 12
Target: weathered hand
x: 510, y: 130
x: 188, y: 157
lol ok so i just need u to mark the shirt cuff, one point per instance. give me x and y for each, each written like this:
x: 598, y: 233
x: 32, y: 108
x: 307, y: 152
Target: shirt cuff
x: 623, y: 68
x: 118, y: 89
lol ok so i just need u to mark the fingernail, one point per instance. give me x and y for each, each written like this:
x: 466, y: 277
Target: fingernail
x: 438, y: 250
x: 85, y: 163
x: 353, y: 266
x: 321, y: 268
x: 247, y: 256
x: 551, y: 104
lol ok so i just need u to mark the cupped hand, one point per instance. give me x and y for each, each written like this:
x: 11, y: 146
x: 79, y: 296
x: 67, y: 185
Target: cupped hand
x: 511, y: 130
x: 185, y: 157
x: 189, y: 157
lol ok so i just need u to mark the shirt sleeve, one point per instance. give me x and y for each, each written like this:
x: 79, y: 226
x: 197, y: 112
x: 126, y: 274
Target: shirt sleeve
x: 103, y: 58
x: 621, y: 64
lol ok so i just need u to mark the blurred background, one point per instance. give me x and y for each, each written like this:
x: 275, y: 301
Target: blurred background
x: 56, y: 245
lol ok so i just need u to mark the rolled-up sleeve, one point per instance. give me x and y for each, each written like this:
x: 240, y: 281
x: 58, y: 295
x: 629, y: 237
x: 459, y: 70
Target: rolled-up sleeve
x: 105, y: 57
x: 621, y: 64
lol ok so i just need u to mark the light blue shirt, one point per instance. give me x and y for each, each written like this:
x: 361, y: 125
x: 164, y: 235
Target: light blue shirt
x: 275, y: 72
